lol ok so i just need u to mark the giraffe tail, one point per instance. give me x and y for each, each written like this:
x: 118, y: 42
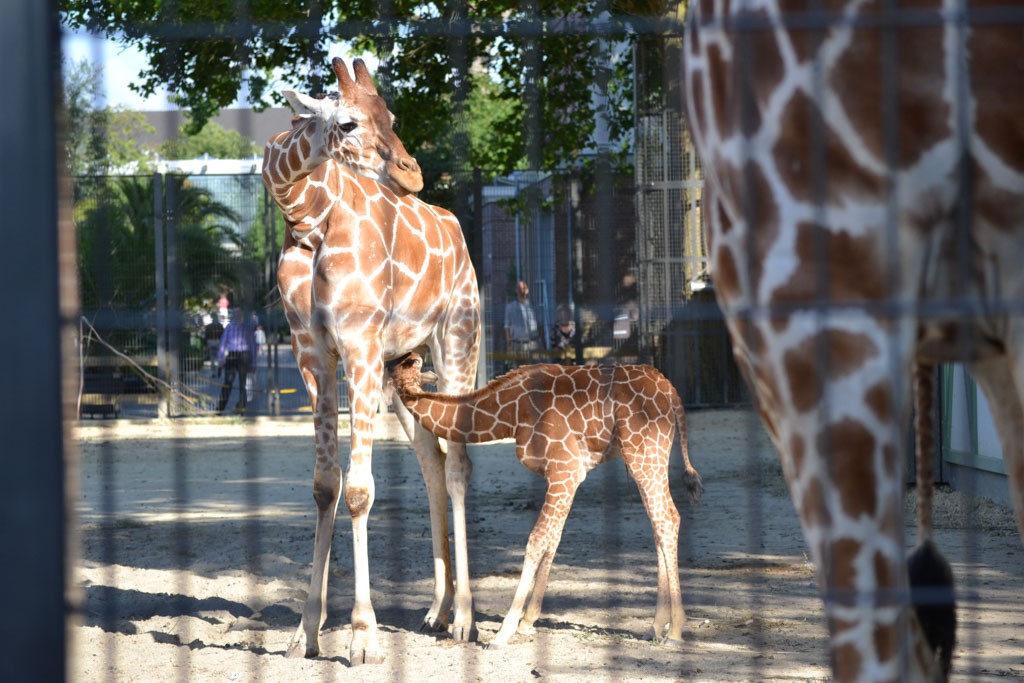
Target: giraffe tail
x: 932, y: 592
x: 691, y: 478
x: 924, y: 445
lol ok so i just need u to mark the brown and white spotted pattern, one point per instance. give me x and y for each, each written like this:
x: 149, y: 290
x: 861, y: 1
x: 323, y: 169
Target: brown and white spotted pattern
x: 864, y: 205
x: 566, y: 420
x: 369, y: 272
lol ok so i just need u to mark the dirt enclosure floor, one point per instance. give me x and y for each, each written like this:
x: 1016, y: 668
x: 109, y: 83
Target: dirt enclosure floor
x: 195, y: 544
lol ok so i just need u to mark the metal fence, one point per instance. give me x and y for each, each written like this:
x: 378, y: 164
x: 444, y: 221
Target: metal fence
x: 186, y: 554
x: 164, y: 261
x: 160, y: 254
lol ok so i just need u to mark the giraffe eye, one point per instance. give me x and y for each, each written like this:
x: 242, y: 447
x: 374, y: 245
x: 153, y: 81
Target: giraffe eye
x: 348, y: 127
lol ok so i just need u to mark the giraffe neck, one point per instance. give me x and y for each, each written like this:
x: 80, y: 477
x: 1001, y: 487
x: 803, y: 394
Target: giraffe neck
x: 289, y: 159
x: 471, y: 418
x: 304, y: 182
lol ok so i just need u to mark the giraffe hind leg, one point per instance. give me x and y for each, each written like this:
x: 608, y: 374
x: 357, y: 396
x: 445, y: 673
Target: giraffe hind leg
x: 457, y: 469
x: 455, y: 363
x: 431, y: 460
x: 652, y: 481
x: 669, y: 616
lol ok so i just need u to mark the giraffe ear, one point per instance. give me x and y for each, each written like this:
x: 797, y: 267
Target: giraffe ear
x: 304, y: 105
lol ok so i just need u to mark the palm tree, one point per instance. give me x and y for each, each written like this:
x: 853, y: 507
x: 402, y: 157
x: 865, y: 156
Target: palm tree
x: 117, y: 241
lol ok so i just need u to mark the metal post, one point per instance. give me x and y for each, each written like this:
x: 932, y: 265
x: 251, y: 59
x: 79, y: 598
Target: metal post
x: 163, y: 409
x: 274, y: 391
x: 270, y: 282
x: 173, y: 313
x: 34, y: 505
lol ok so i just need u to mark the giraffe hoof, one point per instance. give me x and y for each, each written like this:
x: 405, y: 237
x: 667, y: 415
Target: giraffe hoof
x: 495, y: 645
x: 465, y: 634
x: 431, y: 625
x: 366, y: 657
x: 673, y: 642
x: 296, y: 651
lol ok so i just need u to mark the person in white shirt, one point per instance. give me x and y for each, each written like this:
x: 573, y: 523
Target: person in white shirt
x: 522, y: 335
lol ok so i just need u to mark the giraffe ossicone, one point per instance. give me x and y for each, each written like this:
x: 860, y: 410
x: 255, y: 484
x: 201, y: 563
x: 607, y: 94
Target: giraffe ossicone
x: 368, y: 272
x: 566, y: 420
x: 864, y: 207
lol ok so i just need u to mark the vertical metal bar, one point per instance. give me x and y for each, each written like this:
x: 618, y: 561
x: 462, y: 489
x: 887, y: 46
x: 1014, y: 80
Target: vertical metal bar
x: 161, y: 290
x: 173, y: 314
x: 270, y: 322
x: 748, y: 111
x: 33, y: 507
x: 943, y: 420
x: 277, y: 375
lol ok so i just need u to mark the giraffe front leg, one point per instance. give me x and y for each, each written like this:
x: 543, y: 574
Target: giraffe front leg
x: 326, y: 492
x: 359, y: 496
x: 326, y: 489
x: 837, y: 408
x: 855, y: 534
x: 540, y: 553
x: 364, y: 648
x: 1002, y: 381
x: 532, y: 558
x: 533, y: 608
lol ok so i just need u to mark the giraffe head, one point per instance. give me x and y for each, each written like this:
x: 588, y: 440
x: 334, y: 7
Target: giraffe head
x: 407, y: 375
x: 356, y: 129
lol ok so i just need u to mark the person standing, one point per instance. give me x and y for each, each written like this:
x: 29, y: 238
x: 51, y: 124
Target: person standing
x: 563, y: 336
x: 260, y: 338
x: 521, y: 331
x: 212, y: 332
x: 224, y: 307
x: 237, y: 346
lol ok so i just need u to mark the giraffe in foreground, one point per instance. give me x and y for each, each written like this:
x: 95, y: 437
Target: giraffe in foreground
x: 864, y: 204
x: 567, y: 420
x: 369, y: 272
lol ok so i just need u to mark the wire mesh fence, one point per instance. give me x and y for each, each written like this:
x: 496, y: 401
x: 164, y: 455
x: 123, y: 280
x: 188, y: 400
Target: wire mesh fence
x: 193, y: 535
x: 163, y: 269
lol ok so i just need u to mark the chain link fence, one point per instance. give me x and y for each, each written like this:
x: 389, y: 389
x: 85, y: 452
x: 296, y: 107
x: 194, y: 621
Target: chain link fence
x: 165, y: 259
x: 187, y: 553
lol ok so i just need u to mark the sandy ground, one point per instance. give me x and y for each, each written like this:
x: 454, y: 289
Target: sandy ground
x: 195, y: 543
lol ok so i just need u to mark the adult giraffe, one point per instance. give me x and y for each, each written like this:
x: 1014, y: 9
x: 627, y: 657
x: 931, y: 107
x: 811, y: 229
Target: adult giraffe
x: 864, y: 203
x: 369, y: 272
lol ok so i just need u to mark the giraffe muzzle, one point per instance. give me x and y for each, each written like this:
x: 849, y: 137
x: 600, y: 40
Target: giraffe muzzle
x: 405, y: 172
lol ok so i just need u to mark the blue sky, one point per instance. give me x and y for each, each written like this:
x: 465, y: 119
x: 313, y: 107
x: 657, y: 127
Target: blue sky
x: 120, y: 65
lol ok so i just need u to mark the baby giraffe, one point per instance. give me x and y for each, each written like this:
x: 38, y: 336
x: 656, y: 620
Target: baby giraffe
x: 566, y: 420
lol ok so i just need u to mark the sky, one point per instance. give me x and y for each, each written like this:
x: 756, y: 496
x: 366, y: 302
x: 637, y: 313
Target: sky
x: 120, y: 65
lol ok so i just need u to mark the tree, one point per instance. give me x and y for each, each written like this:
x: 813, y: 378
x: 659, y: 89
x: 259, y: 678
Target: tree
x: 539, y: 62
x: 99, y: 139
x: 213, y: 140
x: 116, y: 242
